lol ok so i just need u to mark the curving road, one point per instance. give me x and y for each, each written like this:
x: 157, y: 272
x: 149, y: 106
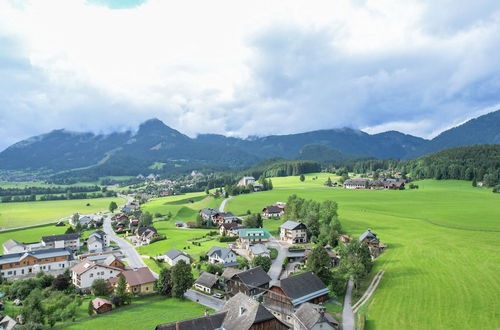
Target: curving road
x: 275, y: 270
x: 133, y: 258
x: 223, y: 204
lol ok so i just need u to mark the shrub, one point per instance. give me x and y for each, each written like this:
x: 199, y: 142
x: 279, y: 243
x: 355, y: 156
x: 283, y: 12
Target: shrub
x: 223, y: 239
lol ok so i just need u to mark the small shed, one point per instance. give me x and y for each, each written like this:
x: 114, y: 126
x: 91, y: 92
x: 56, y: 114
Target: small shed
x: 206, y: 282
x: 101, y: 305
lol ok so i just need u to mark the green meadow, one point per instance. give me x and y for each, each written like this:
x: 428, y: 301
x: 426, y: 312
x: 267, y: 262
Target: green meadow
x: 183, y: 208
x: 32, y: 213
x: 443, y: 256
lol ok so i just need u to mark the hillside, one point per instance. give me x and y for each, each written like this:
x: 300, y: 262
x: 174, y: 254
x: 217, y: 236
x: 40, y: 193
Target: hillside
x: 155, y: 147
x: 481, y: 130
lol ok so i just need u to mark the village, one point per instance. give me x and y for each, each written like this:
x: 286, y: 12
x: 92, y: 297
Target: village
x: 254, y: 280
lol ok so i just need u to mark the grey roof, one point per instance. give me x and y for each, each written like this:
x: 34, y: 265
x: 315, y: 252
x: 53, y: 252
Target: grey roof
x: 209, y: 322
x: 7, y: 323
x: 230, y: 272
x: 367, y: 234
x: 243, y: 312
x: 209, y: 212
x: 258, y: 249
x: 174, y: 253
x: 9, y: 244
x: 222, y: 252
x: 98, y: 233
x: 309, y: 315
x: 207, y: 280
x: 63, y: 237
x: 94, y: 238
x: 39, y: 254
x: 303, y: 287
x: 291, y: 225
x: 143, y: 229
x: 356, y: 181
x: 254, y: 277
x: 273, y: 209
x: 85, y: 219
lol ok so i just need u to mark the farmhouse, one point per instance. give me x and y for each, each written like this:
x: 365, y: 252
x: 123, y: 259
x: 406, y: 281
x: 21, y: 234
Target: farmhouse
x: 98, y: 241
x: 250, y: 236
x: 224, y: 217
x: 221, y: 255
x: 273, y: 211
x: 13, y: 246
x: 206, y: 282
x: 246, y: 180
x: 374, y: 244
x: 258, y: 250
x: 229, y: 229
x: 207, y: 214
x: 50, y: 261
x: 283, y: 299
x: 250, y: 282
x: 112, y: 261
x: 356, y: 183
x: 310, y: 316
x: 240, y: 312
x: 293, y: 232
x: 71, y: 241
x: 84, y: 273
x: 173, y: 256
x: 146, y: 234
x: 139, y: 281
x: 396, y: 184
x: 101, y: 305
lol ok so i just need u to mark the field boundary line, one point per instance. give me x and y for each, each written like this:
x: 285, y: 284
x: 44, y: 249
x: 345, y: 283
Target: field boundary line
x: 436, y: 223
x: 6, y: 230
x: 369, y: 291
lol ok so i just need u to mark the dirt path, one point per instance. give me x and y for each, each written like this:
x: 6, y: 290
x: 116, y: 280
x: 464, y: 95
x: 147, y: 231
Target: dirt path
x: 368, y: 293
x: 223, y: 204
x: 347, y: 313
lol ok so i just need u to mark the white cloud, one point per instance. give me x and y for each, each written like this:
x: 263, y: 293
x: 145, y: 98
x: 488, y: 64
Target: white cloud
x: 246, y: 68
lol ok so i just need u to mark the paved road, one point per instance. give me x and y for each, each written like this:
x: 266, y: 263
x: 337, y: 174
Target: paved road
x: 204, y: 299
x: 223, y: 204
x: 133, y: 258
x: 347, y: 313
x: 275, y: 270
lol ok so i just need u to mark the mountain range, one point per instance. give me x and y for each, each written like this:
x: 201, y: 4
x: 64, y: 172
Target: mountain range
x: 159, y: 148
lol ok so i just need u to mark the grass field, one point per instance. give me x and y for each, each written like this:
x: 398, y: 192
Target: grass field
x: 182, y: 209
x: 31, y: 213
x: 443, y: 259
x: 144, y: 317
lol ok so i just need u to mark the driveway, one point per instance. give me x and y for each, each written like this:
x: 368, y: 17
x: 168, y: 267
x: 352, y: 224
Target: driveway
x: 347, y: 313
x: 133, y: 258
x: 204, y: 299
x: 275, y: 270
x: 223, y: 204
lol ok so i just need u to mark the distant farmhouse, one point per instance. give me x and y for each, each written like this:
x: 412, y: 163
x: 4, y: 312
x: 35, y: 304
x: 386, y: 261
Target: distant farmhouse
x: 374, y: 244
x: 394, y: 184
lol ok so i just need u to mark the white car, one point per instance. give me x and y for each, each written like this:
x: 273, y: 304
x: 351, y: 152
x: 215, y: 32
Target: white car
x: 218, y: 295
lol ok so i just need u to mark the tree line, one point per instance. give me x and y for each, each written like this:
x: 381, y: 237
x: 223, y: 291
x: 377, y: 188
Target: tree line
x: 47, y: 190
x: 55, y: 197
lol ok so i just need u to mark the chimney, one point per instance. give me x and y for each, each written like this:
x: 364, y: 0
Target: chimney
x: 242, y: 310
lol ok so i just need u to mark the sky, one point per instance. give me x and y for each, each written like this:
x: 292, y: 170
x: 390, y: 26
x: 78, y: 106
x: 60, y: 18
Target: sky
x: 246, y: 68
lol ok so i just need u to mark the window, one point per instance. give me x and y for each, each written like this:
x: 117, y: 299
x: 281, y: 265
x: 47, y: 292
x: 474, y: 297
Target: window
x: 91, y: 275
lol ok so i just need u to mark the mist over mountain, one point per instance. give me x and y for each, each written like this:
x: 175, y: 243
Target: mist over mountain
x: 157, y: 147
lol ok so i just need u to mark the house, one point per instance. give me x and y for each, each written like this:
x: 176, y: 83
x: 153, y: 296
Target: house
x: 146, y: 234
x: 229, y: 229
x: 120, y: 218
x: 112, y: 261
x: 313, y: 317
x: 258, y: 250
x: 283, y: 299
x: 133, y: 222
x: 101, y: 305
x: 191, y: 224
x: 356, y: 183
x: 221, y: 255
x: 13, y: 246
x: 7, y: 322
x: 224, y: 217
x: 250, y: 282
x: 344, y: 239
x: 245, y: 181
x: 98, y: 241
x: 239, y: 313
x: 139, y: 281
x: 293, y: 232
x: 273, y: 211
x: 84, y: 273
x: 250, y: 236
x: 374, y: 244
x: 206, y: 282
x: 51, y: 261
x: 173, y: 256
x: 71, y: 241
x: 395, y: 184
x: 207, y: 214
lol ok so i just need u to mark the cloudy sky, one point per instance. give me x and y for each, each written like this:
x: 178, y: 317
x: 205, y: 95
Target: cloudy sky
x: 246, y: 67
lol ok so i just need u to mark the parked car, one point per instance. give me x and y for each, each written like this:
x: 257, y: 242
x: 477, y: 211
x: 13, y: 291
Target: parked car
x: 218, y: 295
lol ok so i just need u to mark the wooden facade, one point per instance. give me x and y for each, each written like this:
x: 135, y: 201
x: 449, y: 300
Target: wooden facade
x: 273, y: 324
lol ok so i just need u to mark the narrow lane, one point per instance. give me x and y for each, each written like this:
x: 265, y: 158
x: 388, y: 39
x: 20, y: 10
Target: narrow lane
x: 347, y: 313
x: 204, y: 299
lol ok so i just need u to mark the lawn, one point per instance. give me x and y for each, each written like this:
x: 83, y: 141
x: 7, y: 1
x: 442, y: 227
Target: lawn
x: 144, y: 317
x: 31, y: 213
x: 443, y: 256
